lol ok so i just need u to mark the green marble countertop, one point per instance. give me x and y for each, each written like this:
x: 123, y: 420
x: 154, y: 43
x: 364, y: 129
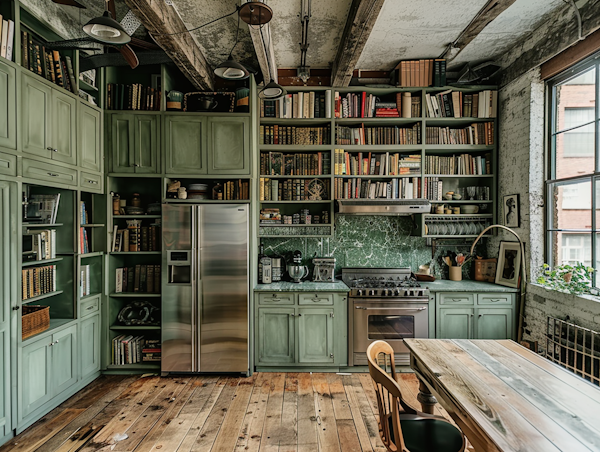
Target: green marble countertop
x: 445, y: 285
x: 305, y: 286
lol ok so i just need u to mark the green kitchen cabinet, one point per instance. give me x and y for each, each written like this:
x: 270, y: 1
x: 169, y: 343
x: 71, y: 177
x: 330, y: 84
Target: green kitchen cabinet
x: 89, y: 144
x: 47, y: 367
x: 8, y: 107
x: 455, y: 323
x: 134, y: 143
x: 276, y: 339
x: 494, y: 323
x: 315, y: 335
x: 185, y: 144
x: 48, y: 121
x: 228, y: 146
x: 301, y: 329
x: 475, y: 315
x: 89, y: 339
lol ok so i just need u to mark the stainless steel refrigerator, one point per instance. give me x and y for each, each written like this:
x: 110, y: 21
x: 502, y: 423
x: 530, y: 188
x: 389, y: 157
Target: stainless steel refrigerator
x: 205, y: 288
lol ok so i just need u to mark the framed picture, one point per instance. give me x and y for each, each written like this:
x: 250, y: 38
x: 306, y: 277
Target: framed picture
x: 509, y: 264
x: 511, y: 211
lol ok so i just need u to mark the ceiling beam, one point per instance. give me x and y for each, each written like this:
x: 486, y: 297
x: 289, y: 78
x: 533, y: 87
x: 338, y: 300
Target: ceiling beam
x: 162, y: 21
x: 491, y: 10
x: 359, y: 24
x: 263, y: 47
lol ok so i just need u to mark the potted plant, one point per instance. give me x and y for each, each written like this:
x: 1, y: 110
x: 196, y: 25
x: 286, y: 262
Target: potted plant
x: 575, y: 279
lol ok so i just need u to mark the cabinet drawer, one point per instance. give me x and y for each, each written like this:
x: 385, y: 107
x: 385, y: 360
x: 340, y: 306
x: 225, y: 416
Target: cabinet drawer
x: 33, y: 169
x: 8, y: 164
x: 456, y: 298
x: 494, y: 298
x: 89, y: 306
x: 90, y: 181
x: 315, y: 299
x: 276, y: 298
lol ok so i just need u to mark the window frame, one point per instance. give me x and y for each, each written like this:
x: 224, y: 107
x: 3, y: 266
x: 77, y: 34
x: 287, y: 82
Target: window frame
x: 592, y: 177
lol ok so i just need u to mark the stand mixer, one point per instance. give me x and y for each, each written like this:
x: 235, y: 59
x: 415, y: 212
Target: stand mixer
x: 297, y: 271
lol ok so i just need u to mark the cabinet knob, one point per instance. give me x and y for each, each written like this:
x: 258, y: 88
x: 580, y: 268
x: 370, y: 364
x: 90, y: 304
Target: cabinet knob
x: 54, y: 150
x: 49, y: 148
x: 16, y: 308
x: 52, y: 174
x: 90, y: 181
x: 89, y: 308
x: 136, y: 165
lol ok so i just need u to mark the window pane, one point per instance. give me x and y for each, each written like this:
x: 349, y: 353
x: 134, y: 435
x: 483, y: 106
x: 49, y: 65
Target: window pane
x: 571, y: 248
x: 578, y: 93
x: 572, y: 205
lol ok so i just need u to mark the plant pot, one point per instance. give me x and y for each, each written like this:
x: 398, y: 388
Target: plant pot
x: 455, y: 273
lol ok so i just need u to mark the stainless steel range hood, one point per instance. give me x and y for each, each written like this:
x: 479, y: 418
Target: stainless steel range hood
x: 384, y: 206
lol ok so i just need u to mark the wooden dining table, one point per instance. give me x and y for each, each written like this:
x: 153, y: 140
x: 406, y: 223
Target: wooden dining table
x: 505, y: 397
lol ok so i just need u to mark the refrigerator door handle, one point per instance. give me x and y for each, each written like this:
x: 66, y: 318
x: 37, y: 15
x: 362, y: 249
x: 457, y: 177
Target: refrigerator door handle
x: 194, y: 296
x: 197, y: 313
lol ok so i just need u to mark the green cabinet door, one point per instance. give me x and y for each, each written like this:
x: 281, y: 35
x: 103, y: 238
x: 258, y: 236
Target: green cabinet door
x: 228, y: 145
x: 315, y: 335
x: 185, y: 145
x: 35, y: 376
x: 146, y: 143
x: 36, y: 111
x: 455, y: 323
x: 122, y: 143
x: 89, y: 338
x: 65, y: 369
x: 495, y: 323
x: 89, y: 143
x: 64, y: 128
x: 276, y: 332
x: 8, y: 107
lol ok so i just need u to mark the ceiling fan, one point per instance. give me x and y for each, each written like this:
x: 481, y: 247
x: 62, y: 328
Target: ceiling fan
x: 106, y: 31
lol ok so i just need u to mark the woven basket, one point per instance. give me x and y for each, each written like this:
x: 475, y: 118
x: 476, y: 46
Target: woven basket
x: 35, y: 319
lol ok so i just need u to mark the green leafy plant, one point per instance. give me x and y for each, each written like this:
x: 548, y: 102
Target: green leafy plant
x: 574, y: 279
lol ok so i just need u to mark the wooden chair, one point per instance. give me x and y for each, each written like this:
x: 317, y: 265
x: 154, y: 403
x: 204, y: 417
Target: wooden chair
x: 403, y: 428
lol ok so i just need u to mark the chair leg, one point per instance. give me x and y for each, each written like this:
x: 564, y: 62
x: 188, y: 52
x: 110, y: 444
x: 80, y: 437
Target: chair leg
x: 425, y: 398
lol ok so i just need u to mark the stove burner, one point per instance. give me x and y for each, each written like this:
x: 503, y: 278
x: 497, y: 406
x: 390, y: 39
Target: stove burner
x: 383, y: 283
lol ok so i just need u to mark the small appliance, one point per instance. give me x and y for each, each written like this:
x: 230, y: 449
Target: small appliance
x: 324, y: 269
x: 297, y: 271
x: 277, y: 267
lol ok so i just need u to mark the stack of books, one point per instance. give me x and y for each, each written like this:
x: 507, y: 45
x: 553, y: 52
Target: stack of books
x: 43, y: 243
x: 132, y: 97
x: 270, y: 216
x: 7, y: 38
x: 479, y: 133
x: 456, y: 104
x: 305, y: 105
x: 136, y: 237
x: 378, y: 135
x: 43, y: 208
x: 380, y: 164
x: 294, y: 135
x: 419, y: 73
x: 84, y: 281
x: 129, y: 349
x: 142, y: 278
x: 38, y: 281
x: 405, y: 188
x: 151, y: 350
x: 279, y: 164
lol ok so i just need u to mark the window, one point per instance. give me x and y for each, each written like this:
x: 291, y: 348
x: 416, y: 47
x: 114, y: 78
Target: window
x: 573, y: 185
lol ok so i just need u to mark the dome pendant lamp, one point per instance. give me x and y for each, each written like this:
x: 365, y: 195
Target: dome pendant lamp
x: 231, y: 69
x: 107, y: 30
x: 272, y: 91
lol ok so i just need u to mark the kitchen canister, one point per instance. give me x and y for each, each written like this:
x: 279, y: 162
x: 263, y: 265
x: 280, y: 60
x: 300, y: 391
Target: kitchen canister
x: 242, y: 95
x: 174, y: 100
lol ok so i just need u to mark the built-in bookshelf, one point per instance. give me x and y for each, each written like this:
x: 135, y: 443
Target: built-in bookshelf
x: 437, y: 142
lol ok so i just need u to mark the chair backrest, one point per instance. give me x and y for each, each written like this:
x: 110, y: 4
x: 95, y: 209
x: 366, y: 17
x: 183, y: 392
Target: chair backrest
x: 389, y: 395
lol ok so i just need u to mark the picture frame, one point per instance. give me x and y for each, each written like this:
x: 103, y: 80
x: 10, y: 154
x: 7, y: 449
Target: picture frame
x: 510, y: 210
x: 509, y: 264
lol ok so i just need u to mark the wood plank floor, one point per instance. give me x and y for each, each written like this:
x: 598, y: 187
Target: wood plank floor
x: 284, y: 412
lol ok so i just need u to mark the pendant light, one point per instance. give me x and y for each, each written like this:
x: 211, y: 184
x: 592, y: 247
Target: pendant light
x: 272, y: 90
x: 106, y: 29
x: 231, y: 69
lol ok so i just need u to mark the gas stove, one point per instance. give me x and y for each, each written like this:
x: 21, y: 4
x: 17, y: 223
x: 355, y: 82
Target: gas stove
x: 383, y: 283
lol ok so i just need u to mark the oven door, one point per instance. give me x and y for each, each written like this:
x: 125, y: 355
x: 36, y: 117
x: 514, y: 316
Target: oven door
x: 390, y: 321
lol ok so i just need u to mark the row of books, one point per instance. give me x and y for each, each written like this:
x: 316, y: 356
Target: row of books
x: 456, y: 104
x: 132, y: 97
x: 129, y: 349
x: 478, y: 133
x: 402, y: 188
x: 277, y: 134
x: 378, y: 135
x: 7, y: 38
x: 43, y: 243
x: 142, y: 278
x: 43, y: 208
x: 288, y: 190
x: 136, y: 237
x: 458, y: 164
x: 425, y: 72
x: 83, y: 213
x: 382, y: 164
x: 38, y: 281
x: 432, y: 188
x: 236, y: 190
x: 280, y: 164
x: 47, y: 63
x: 84, y: 281
x: 309, y: 104
x: 84, y: 245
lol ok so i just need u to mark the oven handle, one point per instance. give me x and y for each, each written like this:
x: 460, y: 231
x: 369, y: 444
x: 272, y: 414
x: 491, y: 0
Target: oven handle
x: 395, y: 309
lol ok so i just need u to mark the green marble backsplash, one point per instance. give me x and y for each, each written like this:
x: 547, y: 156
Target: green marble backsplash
x: 370, y: 241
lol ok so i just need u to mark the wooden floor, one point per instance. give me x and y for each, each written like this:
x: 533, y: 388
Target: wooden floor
x: 299, y: 412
